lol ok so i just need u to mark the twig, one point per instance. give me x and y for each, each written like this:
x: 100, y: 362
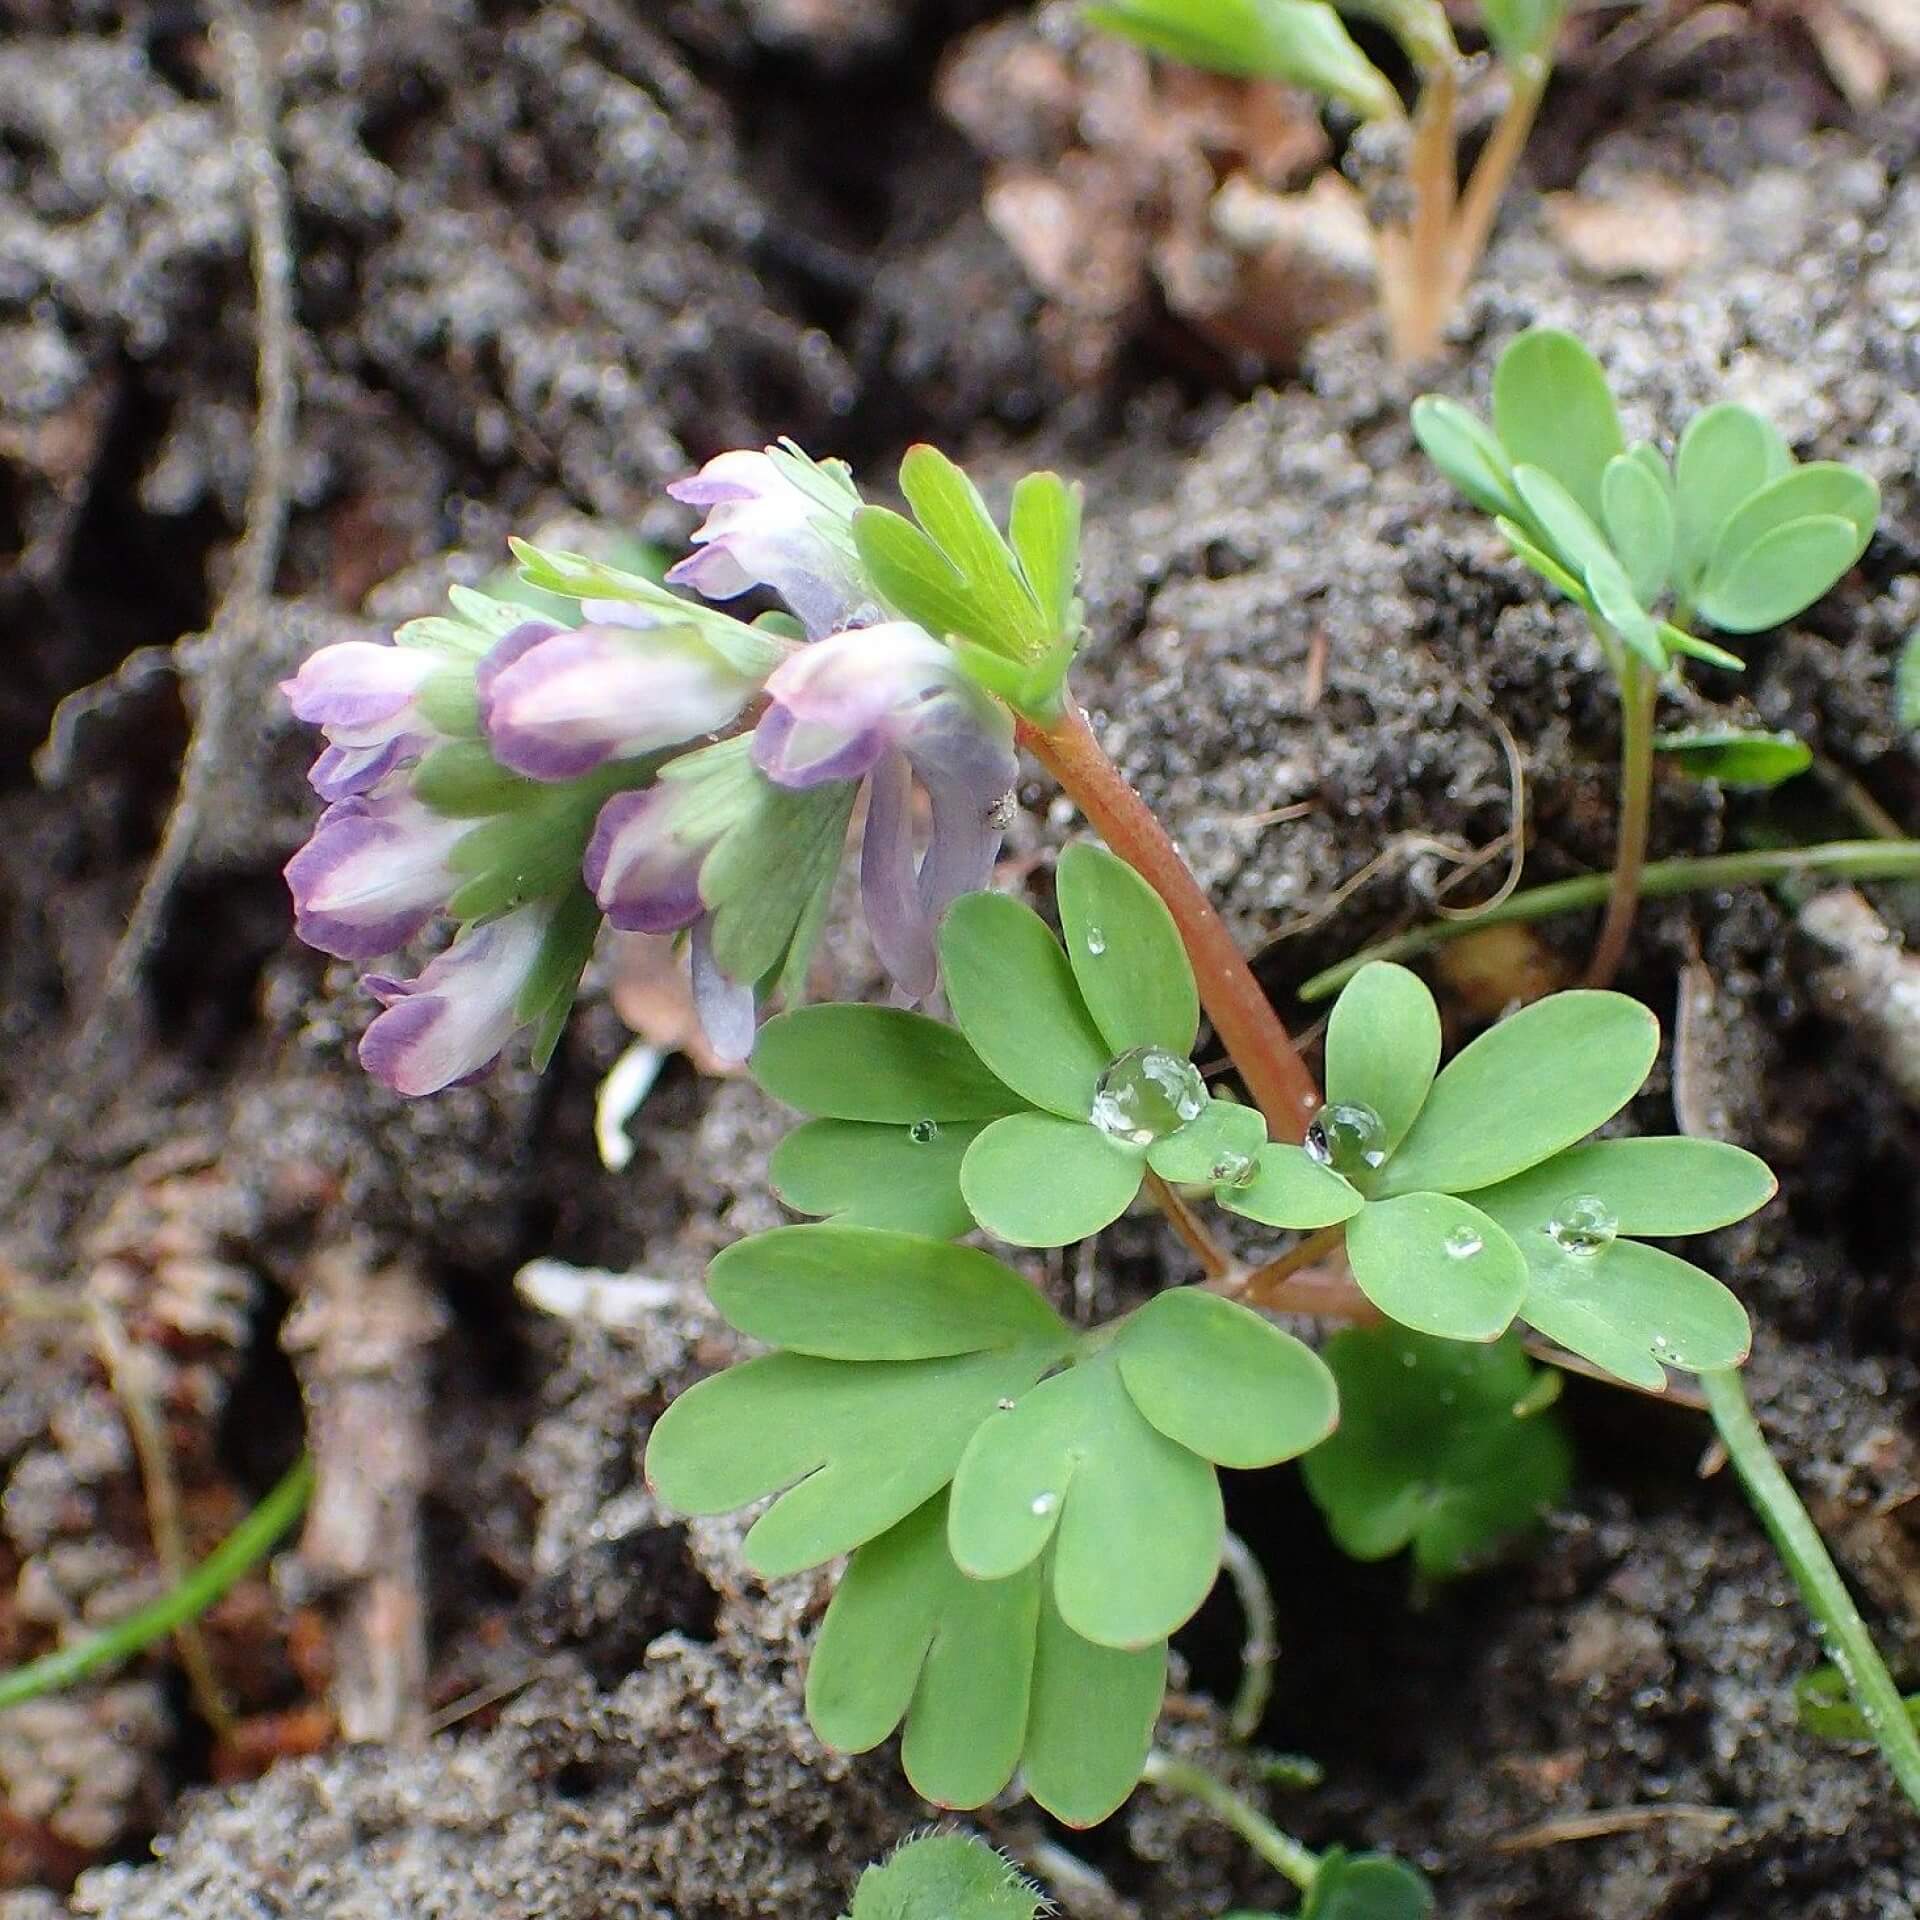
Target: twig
x: 1838, y: 859
x: 210, y: 668
x: 1605, y: 1821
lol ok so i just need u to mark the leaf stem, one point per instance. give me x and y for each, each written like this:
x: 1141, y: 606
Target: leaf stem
x: 1249, y: 1029
x: 1842, y: 1632
x: 1192, y: 1230
x: 1417, y: 276
x: 1638, y: 690
x: 1279, y: 1850
x: 248, y: 1543
x: 1493, y: 171
x: 1837, y: 859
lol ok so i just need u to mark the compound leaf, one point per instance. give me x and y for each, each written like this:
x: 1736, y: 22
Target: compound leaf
x: 1783, y: 573
x: 1126, y: 953
x: 1090, y: 1721
x: 1540, y: 1080
x: 1044, y: 526
x: 1552, y: 409
x: 875, y: 1063
x: 1224, y: 1383
x: 1639, y: 520
x: 1727, y: 454
x: 911, y: 574
x: 1822, y: 488
x: 1438, y: 1265
x: 1016, y: 1000
x: 862, y: 1175
x: 1383, y: 1045
x: 1035, y: 1180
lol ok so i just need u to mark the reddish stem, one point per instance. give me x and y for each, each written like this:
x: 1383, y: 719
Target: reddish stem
x: 1245, y: 1021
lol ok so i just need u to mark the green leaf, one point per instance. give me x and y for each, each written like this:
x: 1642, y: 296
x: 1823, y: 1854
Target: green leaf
x: 1044, y: 526
x: 1783, y: 573
x: 1300, y: 41
x: 912, y: 575
x: 908, y: 1638
x: 865, y: 1175
x: 1612, y: 597
x: 1677, y: 640
x: 1737, y: 757
x: 1223, y: 1382
x: 1543, y: 563
x: 1906, y: 682
x: 1576, y: 538
x: 1639, y: 518
x: 851, y: 1447
x: 1633, y: 1310
x: 1552, y: 409
x: 1383, y: 1046
x: 1537, y: 1082
x: 1727, y: 454
x: 1368, y: 1886
x: 945, y: 1876
x: 1223, y: 1144
x: 1438, y: 1265
x: 462, y: 780
x: 1126, y: 953
x: 1468, y: 452
x: 448, y: 702
x: 1135, y: 1520
x: 1824, y: 487
x: 762, y: 879
x: 1433, y: 1450
x: 1090, y: 1720
x: 975, y: 1669
x: 547, y: 995
x: 532, y: 852
x: 1015, y: 998
x: 1003, y: 613
x: 1036, y: 1180
x: 858, y: 1293
x: 1658, y: 1188
x: 875, y: 1063
x: 1292, y: 1189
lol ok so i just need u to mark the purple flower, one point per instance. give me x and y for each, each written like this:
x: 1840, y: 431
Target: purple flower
x: 452, y: 1022
x: 555, y: 704
x: 779, y: 520
x: 374, y: 873
x: 644, y: 874
x: 892, y: 702
x: 364, y: 695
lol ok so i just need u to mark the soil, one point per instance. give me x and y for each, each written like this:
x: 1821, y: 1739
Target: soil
x: 550, y: 256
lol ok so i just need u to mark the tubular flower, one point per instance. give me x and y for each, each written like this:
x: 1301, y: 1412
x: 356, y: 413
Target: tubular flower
x: 365, y: 697
x: 777, y: 519
x: 453, y: 1021
x: 374, y: 873
x: 890, y: 704
x: 556, y: 703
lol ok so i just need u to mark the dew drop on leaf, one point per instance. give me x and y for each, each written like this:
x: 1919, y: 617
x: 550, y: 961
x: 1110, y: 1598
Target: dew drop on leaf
x: 1096, y: 942
x: 1232, y: 1169
x: 1463, y: 1243
x: 1146, y: 1095
x: 1583, y: 1225
x: 924, y: 1132
x: 1349, y: 1138
x: 1006, y: 1406
x: 1044, y: 1504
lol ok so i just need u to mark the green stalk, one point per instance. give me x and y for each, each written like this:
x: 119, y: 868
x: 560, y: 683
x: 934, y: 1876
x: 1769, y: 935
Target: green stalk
x: 236, y: 1555
x: 1638, y: 691
x: 1842, y: 1632
x: 1279, y: 1850
x: 1833, y: 860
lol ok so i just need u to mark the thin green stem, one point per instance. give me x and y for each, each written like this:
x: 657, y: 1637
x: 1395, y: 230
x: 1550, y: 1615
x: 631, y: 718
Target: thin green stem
x: 1279, y: 1850
x: 1842, y: 1632
x: 1662, y: 879
x: 1638, y: 690
x: 236, y: 1555
x: 1260, y: 1646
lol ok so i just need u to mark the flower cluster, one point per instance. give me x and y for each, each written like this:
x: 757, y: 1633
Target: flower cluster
x: 657, y: 763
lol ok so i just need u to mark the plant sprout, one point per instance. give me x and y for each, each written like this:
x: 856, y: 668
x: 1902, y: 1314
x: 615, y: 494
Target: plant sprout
x: 1734, y: 531
x: 944, y: 1876
x: 1429, y: 255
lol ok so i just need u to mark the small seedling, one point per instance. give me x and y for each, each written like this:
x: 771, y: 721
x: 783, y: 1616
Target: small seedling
x: 1429, y: 254
x: 1734, y: 531
x: 945, y: 1876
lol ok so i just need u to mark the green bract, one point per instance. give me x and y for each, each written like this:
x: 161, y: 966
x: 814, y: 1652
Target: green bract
x: 1443, y: 1447
x: 944, y: 1876
x: 1469, y: 1200
x: 1008, y: 602
x: 1734, y: 531
x: 1068, y: 1078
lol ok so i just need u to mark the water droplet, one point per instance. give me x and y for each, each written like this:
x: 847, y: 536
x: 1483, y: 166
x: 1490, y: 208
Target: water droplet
x: 1231, y: 1169
x: 1463, y: 1243
x: 1006, y: 1406
x: 923, y: 1132
x: 1409, y: 1359
x: 1096, y: 942
x: 1044, y: 1504
x: 1349, y: 1138
x: 1583, y: 1225
x: 1146, y: 1095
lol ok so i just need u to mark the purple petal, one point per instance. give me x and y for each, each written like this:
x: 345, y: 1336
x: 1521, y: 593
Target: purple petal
x: 726, y: 1008
x: 897, y: 920
x: 573, y: 701
x: 374, y: 873
x: 342, y: 772
x: 645, y: 879
x: 357, y: 688
x: 792, y: 753
x: 452, y: 1022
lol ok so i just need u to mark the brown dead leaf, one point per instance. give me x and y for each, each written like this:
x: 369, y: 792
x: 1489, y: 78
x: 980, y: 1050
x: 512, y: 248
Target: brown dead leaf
x: 652, y: 994
x: 1494, y: 968
x: 1643, y: 229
